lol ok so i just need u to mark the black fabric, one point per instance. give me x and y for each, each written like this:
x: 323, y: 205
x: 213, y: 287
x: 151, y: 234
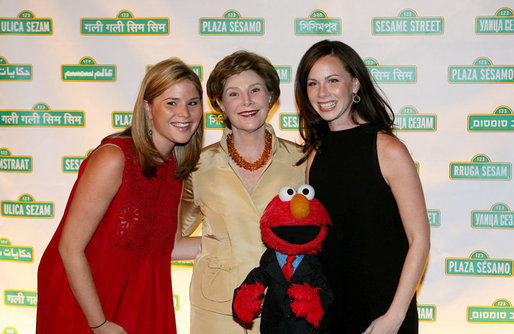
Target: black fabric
x: 277, y: 316
x: 363, y: 254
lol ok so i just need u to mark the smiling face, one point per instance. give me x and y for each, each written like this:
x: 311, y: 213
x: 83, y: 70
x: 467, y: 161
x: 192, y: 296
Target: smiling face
x: 329, y: 89
x: 295, y: 222
x: 175, y: 115
x: 245, y: 101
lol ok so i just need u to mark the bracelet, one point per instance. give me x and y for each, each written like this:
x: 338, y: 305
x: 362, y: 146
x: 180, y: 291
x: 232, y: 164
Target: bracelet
x: 96, y: 327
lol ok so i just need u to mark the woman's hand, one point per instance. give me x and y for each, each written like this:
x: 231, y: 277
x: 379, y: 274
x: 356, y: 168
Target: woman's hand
x: 109, y: 328
x: 384, y: 325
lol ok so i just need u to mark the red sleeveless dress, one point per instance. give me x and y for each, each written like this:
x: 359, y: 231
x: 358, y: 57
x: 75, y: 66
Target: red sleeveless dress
x: 129, y: 256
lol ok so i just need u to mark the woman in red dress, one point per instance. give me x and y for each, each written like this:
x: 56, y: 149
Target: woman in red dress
x: 107, y: 267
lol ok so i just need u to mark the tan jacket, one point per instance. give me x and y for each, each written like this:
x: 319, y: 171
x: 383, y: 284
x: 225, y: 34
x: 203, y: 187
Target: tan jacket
x: 231, y: 238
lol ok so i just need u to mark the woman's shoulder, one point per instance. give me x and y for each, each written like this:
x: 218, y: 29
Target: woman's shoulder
x: 289, y: 153
x: 109, y: 150
x: 124, y: 143
x: 211, y: 150
x: 211, y: 155
x: 107, y: 158
x: 290, y: 146
x: 393, y: 155
x: 389, y: 144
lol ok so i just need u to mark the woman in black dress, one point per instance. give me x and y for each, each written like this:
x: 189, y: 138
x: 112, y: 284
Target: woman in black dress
x: 376, y: 251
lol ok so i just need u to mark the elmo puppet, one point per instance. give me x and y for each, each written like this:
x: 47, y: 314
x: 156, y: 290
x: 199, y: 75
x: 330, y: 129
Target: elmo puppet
x: 293, y: 226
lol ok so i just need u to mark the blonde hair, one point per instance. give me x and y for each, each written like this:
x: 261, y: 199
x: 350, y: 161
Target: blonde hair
x: 159, y: 78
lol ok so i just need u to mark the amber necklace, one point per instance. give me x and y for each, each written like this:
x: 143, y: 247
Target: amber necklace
x: 241, y: 162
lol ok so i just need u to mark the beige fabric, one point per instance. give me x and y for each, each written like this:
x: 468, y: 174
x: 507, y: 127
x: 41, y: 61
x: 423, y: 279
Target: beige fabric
x: 231, y: 241
x: 207, y: 322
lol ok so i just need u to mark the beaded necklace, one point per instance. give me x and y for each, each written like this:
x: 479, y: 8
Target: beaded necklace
x: 241, y: 162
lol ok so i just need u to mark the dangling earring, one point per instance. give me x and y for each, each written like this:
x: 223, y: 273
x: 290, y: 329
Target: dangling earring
x: 355, y: 98
x: 150, y: 132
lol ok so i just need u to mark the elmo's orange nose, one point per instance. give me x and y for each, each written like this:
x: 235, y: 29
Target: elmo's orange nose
x: 300, y: 206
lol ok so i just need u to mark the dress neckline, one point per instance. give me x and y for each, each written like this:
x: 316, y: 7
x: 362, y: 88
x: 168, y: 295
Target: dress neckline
x: 355, y: 128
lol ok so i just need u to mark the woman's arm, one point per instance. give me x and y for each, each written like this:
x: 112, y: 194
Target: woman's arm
x: 186, y: 248
x: 189, y: 214
x: 189, y: 217
x: 400, y: 173
x: 97, y: 187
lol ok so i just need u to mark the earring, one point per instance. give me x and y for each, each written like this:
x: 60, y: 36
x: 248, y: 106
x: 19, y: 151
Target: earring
x: 150, y: 132
x: 355, y: 98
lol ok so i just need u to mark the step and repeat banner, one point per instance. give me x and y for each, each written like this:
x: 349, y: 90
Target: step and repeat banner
x: 70, y: 72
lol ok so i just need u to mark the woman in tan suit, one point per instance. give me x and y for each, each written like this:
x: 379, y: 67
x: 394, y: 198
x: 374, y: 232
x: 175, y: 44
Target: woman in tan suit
x: 235, y: 180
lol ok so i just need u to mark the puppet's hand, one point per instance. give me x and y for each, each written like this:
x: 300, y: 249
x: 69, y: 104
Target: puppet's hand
x: 306, y: 303
x: 248, y: 301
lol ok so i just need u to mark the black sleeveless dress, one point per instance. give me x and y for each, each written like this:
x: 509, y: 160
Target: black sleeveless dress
x: 366, y: 247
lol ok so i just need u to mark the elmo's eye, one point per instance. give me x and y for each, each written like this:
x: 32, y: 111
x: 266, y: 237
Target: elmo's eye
x: 286, y: 193
x: 307, y: 191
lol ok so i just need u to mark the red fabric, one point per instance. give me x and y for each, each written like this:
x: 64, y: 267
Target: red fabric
x: 248, y: 301
x: 288, y: 269
x: 129, y: 256
x: 306, y: 303
x: 278, y: 213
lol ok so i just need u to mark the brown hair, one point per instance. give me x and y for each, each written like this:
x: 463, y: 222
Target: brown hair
x: 159, y: 78
x: 373, y: 108
x: 236, y: 63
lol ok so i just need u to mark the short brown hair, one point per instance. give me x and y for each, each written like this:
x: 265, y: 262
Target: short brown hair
x: 236, y: 63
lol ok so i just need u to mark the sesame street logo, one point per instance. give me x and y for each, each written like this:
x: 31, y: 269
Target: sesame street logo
x: 434, y: 218
x: 176, y: 302
x: 479, y: 264
x: 14, y: 72
x: 214, y: 120
x: 289, y: 121
x: 391, y: 74
x: 481, y: 168
x: 26, y: 24
x: 426, y: 313
x: 9, y: 330
x: 231, y: 23
x: 42, y: 116
x: 9, y: 252
x: 27, y: 207
x: 409, y: 119
x: 72, y: 164
x: 15, y: 164
x: 121, y: 119
x: 183, y: 263
x: 482, y: 71
x: 284, y: 73
x: 408, y: 23
x: 125, y: 24
x: 502, y: 119
x: 20, y: 298
x: 88, y: 70
x: 502, y: 22
x: 500, y: 216
x: 317, y: 24
x: 501, y: 312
